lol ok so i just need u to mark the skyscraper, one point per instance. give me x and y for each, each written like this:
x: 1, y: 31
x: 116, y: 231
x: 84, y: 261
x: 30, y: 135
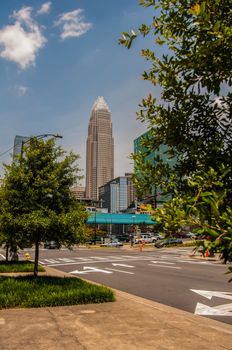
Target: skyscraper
x: 18, y: 144
x: 99, y: 149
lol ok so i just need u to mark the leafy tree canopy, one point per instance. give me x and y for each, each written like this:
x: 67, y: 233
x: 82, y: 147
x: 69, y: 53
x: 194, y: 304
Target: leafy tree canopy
x: 37, y: 204
x: 194, y: 116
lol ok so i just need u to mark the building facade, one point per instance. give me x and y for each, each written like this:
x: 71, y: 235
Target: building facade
x: 116, y: 195
x: 99, y: 149
x: 78, y: 191
x: 18, y: 144
x: 156, y: 196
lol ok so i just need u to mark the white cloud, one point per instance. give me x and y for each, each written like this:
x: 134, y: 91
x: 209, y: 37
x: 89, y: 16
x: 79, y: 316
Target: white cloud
x: 45, y: 8
x: 73, y: 24
x: 21, y: 41
x: 21, y: 90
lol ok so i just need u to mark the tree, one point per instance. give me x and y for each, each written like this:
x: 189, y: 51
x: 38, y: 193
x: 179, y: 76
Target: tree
x: 194, y: 116
x: 37, y: 204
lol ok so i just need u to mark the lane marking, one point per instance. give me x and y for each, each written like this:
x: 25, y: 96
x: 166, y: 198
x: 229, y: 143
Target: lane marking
x: 123, y: 265
x: 209, y: 294
x: 90, y: 261
x: 88, y: 269
x: 162, y: 262
x: 98, y: 258
x: 195, y: 262
x: 168, y: 267
x: 130, y: 273
x: 51, y: 261
x: 3, y: 256
x: 108, y: 259
x: 219, y: 310
x: 66, y: 259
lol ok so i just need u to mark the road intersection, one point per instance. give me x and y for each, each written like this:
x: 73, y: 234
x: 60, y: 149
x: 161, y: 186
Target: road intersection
x: 169, y: 276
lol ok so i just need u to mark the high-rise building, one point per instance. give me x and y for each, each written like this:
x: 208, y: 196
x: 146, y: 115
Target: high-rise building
x: 99, y: 149
x: 155, y: 195
x: 116, y: 195
x: 18, y: 144
x: 78, y: 191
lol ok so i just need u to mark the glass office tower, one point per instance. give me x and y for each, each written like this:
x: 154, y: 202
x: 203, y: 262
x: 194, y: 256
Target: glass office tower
x: 18, y: 143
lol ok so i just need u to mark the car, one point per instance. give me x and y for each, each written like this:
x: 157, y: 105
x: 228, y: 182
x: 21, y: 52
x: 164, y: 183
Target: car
x: 123, y: 238
x: 95, y: 240
x: 167, y: 242
x: 145, y: 238
x: 112, y: 244
x: 52, y: 245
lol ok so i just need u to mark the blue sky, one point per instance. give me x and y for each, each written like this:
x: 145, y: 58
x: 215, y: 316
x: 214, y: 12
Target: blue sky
x: 56, y: 58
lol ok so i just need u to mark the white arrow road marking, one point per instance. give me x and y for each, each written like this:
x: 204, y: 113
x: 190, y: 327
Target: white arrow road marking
x: 209, y: 294
x: 220, y: 310
x: 88, y: 269
x: 123, y: 265
x: 166, y: 266
x: 129, y: 273
x: 162, y: 262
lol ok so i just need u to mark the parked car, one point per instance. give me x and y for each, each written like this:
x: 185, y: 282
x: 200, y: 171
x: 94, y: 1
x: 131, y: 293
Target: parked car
x: 51, y: 245
x: 168, y: 242
x: 123, y: 238
x: 145, y: 238
x: 112, y: 244
x: 96, y: 240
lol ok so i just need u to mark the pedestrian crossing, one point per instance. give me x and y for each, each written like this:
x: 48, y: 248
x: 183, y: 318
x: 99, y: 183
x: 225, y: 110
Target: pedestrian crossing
x: 161, y: 259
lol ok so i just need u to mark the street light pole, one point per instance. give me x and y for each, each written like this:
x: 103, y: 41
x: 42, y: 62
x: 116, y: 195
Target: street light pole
x: 95, y: 226
x: 39, y: 137
x: 133, y: 233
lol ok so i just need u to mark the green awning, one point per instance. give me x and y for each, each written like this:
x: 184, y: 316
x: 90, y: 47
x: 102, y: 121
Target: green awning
x: 127, y: 219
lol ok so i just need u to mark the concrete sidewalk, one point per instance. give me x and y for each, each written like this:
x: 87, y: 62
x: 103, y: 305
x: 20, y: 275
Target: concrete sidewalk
x: 129, y: 323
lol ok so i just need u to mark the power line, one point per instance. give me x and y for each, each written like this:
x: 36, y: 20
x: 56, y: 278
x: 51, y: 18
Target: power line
x: 2, y: 154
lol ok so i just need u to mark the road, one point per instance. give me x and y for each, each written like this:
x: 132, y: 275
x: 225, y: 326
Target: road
x: 167, y: 276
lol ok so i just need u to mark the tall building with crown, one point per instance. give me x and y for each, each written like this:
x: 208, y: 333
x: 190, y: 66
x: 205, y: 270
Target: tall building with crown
x: 99, y: 149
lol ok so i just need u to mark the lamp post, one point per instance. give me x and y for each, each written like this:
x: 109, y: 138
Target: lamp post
x: 133, y: 233
x: 39, y: 137
x: 95, y: 226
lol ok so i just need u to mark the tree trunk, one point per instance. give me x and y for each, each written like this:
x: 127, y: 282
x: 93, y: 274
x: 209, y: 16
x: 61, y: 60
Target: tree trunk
x: 36, y: 263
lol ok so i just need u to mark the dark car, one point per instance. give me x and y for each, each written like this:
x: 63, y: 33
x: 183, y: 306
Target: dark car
x: 96, y: 240
x: 51, y: 245
x: 123, y: 238
x: 168, y: 242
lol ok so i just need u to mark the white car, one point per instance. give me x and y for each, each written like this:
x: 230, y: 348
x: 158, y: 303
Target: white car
x: 112, y: 244
x: 145, y: 238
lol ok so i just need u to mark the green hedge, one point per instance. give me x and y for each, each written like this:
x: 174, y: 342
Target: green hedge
x: 28, y: 291
x: 18, y: 266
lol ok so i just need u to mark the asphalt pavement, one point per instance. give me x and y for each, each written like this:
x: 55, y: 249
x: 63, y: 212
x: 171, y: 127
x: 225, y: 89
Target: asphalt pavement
x: 127, y: 324
x: 168, y: 276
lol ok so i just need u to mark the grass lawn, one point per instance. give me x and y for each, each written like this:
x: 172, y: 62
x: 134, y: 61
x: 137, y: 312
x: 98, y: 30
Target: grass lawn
x: 18, y: 266
x: 27, y: 291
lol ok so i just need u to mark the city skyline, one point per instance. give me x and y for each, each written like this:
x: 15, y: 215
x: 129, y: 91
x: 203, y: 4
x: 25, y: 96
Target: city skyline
x: 50, y: 88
